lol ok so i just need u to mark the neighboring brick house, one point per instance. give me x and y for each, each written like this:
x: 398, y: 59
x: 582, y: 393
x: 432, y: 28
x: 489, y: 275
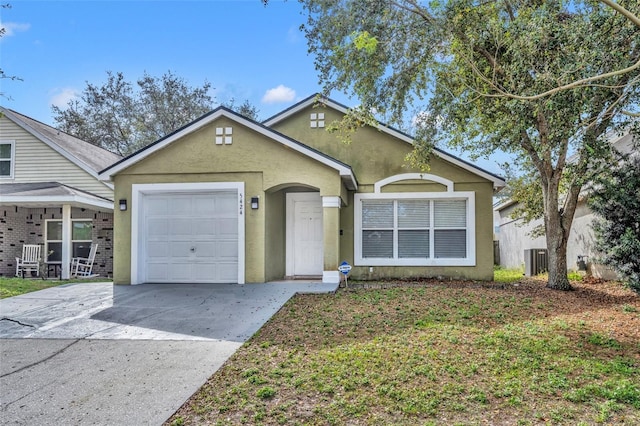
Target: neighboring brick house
x: 50, y: 195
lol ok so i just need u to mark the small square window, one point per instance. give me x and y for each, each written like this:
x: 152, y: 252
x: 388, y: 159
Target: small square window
x: 316, y: 120
x: 223, y: 135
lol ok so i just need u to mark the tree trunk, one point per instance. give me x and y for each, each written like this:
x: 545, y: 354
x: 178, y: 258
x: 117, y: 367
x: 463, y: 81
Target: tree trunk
x: 557, y: 223
x: 557, y: 248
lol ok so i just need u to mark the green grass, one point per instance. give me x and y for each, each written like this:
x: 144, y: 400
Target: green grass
x: 10, y: 286
x: 439, y: 354
x: 503, y: 275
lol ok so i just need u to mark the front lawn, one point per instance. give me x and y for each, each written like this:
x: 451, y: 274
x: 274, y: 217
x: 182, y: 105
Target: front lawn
x: 13, y: 286
x: 436, y: 353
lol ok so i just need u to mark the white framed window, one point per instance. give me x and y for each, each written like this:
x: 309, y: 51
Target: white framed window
x: 316, y: 120
x: 81, y: 238
x: 415, y: 229
x: 7, y: 159
x: 224, y: 135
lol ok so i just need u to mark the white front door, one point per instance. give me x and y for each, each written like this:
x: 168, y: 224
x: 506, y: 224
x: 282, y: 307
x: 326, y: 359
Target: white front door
x: 304, y: 234
x: 191, y: 237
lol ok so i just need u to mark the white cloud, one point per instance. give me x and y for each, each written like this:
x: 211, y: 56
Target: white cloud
x: 420, y: 119
x: 279, y: 94
x: 10, y: 28
x: 293, y: 35
x: 61, y: 97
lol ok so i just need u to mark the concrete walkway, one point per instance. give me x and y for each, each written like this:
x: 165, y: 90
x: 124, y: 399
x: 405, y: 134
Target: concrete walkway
x: 100, y: 354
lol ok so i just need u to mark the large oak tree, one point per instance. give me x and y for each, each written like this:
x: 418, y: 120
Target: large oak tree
x: 545, y: 81
x: 122, y: 117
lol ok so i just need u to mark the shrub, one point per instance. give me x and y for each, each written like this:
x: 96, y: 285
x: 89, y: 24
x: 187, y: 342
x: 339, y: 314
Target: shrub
x: 616, y: 202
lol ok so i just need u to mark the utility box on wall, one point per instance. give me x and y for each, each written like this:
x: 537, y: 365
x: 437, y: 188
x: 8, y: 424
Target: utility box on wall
x: 536, y: 261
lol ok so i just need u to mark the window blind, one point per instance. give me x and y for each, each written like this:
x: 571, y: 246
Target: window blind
x: 411, y: 228
x: 377, y: 214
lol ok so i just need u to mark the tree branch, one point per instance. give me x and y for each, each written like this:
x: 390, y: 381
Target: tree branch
x: 624, y: 12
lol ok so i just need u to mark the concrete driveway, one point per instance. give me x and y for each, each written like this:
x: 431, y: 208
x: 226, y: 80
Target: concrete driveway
x: 101, y: 354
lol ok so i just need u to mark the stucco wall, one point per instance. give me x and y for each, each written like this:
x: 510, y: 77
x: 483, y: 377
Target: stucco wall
x: 262, y: 164
x: 374, y: 155
x: 275, y: 243
x: 269, y: 170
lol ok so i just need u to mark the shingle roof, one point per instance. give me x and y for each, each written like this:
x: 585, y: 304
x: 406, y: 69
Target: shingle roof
x: 89, y: 155
x: 44, y: 188
x: 498, y: 181
x: 345, y: 170
x: 36, y: 194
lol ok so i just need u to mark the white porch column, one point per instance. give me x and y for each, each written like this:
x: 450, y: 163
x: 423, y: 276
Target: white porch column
x: 331, y: 228
x: 66, y: 242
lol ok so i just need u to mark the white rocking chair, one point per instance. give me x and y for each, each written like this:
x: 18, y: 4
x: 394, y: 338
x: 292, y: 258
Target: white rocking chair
x: 81, y: 267
x: 30, y: 260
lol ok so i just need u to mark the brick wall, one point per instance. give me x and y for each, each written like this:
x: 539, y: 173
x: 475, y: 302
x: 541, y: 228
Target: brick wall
x: 19, y: 226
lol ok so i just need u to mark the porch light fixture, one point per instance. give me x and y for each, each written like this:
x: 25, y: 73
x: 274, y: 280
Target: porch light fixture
x: 255, y: 202
x: 123, y: 204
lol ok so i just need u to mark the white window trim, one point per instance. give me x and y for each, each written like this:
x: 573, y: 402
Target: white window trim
x: 138, y: 192
x: 377, y: 187
x: 47, y: 240
x: 469, y: 260
x: 12, y: 159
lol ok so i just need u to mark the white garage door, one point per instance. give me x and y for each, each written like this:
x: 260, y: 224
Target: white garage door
x: 191, y: 237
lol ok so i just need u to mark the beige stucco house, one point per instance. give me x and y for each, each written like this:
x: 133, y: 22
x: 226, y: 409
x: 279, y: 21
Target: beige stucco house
x: 227, y: 199
x: 50, y: 195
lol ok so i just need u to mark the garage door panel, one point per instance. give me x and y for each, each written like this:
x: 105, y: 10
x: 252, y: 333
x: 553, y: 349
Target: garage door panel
x: 207, y: 228
x: 227, y: 250
x: 179, y: 205
x: 157, y: 272
x: 205, y: 249
x: 179, y: 272
x: 158, y: 250
x: 191, y: 237
x: 203, y: 205
x: 227, y: 228
x: 157, y: 229
x: 179, y: 249
x: 226, y: 204
x: 181, y: 228
x: 205, y: 272
x: 227, y: 272
x: 156, y: 204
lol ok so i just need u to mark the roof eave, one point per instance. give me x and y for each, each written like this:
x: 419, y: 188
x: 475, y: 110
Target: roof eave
x: 107, y: 174
x: 69, y: 156
x: 54, y: 200
x: 498, y: 182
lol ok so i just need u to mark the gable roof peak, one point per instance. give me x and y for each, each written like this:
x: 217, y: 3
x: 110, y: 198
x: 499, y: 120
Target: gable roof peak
x: 318, y: 98
x: 345, y: 171
x: 87, y: 156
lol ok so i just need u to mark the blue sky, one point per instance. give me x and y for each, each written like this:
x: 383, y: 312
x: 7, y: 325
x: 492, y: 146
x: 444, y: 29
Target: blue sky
x: 244, y: 49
